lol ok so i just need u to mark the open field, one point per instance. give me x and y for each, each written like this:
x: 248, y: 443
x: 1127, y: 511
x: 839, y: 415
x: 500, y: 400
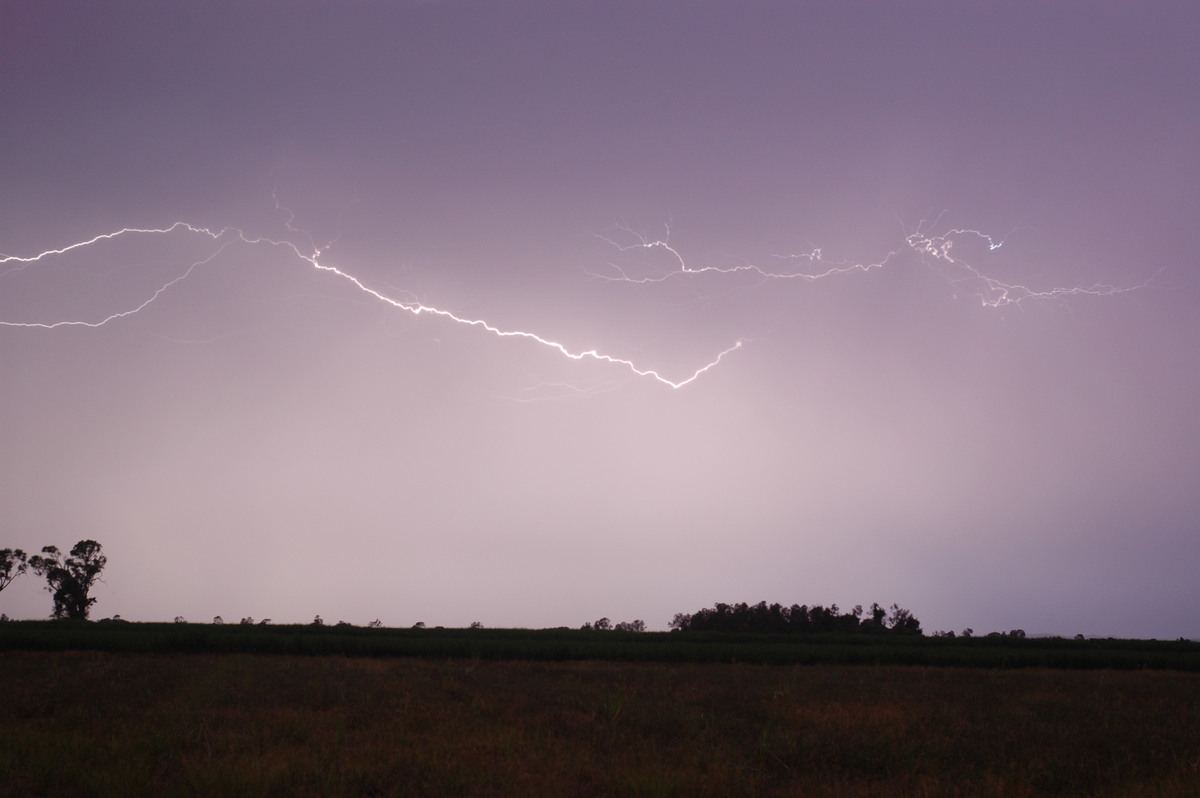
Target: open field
x: 575, y: 644
x: 161, y: 724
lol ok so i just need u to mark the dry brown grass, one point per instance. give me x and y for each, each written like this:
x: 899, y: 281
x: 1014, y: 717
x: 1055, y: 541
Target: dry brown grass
x: 154, y: 724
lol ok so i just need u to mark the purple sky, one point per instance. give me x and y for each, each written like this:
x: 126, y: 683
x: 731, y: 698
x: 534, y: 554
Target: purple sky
x: 266, y: 438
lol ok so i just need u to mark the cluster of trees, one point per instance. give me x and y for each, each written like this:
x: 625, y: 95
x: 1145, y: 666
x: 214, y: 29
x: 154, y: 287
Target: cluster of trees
x: 775, y: 618
x: 69, y: 578
x: 1013, y: 634
x: 604, y: 624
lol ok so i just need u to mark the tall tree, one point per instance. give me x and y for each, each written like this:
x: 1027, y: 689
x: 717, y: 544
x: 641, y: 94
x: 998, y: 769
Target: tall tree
x: 12, y: 565
x: 902, y: 621
x: 70, y: 579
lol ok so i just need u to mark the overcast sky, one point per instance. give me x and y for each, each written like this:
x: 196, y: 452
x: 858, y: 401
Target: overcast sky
x: 985, y: 411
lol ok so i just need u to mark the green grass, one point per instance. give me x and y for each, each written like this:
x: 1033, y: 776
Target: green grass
x: 160, y: 724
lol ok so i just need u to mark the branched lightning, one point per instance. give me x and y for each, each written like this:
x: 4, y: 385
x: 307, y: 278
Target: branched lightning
x: 227, y: 236
x: 994, y: 293
x: 934, y: 250
x: 824, y: 268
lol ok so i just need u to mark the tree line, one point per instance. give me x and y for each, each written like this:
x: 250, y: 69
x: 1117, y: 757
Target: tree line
x: 776, y: 618
x: 68, y: 577
x: 604, y: 624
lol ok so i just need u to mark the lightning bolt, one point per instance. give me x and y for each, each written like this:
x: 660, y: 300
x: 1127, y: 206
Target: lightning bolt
x: 933, y: 250
x: 994, y: 293
x: 228, y: 236
x: 682, y: 267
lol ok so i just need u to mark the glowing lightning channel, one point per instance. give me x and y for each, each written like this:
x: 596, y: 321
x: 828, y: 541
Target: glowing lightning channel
x: 826, y: 268
x: 932, y: 249
x: 996, y: 293
x: 230, y: 235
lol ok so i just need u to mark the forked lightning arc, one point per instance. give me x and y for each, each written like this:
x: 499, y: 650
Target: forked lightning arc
x: 935, y: 250
x: 227, y: 236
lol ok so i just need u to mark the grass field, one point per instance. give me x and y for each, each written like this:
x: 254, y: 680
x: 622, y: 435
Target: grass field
x: 162, y: 724
x: 575, y: 644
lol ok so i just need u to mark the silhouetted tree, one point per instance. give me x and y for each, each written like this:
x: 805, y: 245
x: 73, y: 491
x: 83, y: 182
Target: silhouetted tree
x: 631, y: 626
x: 775, y: 618
x: 877, y: 621
x: 12, y: 565
x: 902, y: 621
x: 72, y: 578
x: 821, y: 619
x: 797, y: 618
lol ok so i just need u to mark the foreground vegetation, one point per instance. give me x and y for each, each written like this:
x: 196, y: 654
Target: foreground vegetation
x: 568, y: 644
x: 137, y: 724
